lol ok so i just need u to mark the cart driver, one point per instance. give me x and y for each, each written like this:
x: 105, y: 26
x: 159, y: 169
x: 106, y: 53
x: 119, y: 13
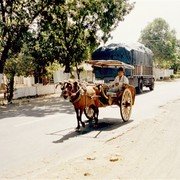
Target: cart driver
x: 117, y: 84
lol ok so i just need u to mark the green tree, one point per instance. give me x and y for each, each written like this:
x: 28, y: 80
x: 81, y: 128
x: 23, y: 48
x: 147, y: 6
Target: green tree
x: 16, y: 19
x: 21, y: 65
x: 158, y: 36
x: 72, y: 31
x: 51, y: 68
x: 176, y: 62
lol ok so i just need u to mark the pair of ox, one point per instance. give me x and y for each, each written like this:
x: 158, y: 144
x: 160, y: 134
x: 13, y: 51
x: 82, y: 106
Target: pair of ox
x: 86, y: 97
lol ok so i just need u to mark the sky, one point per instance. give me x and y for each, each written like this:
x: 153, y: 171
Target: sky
x: 144, y: 12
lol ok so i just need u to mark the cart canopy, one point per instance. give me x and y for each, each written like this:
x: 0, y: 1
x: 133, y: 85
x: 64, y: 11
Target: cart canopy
x: 109, y: 64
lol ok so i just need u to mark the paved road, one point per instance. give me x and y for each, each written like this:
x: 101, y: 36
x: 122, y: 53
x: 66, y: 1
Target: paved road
x: 37, y: 134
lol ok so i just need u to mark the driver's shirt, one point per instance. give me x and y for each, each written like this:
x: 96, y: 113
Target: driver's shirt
x: 121, y: 80
x: 117, y: 84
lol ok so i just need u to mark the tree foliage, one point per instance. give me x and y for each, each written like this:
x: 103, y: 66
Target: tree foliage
x: 20, y: 65
x: 67, y: 30
x: 158, y: 36
x: 16, y: 18
x: 176, y: 62
x: 38, y: 32
x: 72, y: 31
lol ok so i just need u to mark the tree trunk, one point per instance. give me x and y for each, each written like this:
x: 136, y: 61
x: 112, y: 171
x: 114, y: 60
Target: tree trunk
x: 67, y: 65
x: 4, y: 55
x: 11, y: 87
x: 1, y: 67
x: 67, y: 68
x: 78, y: 72
x: 175, y: 69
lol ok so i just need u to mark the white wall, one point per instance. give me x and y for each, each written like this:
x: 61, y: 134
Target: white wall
x: 24, y: 81
x: 25, y: 87
x: 162, y: 73
x: 60, y: 76
x: 3, y: 79
x: 36, y: 90
x: 24, y: 92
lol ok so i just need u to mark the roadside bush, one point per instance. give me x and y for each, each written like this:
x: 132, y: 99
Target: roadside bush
x: 172, y: 76
x: 177, y: 75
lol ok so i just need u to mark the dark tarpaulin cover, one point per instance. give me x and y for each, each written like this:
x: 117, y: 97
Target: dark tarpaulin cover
x: 134, y: 54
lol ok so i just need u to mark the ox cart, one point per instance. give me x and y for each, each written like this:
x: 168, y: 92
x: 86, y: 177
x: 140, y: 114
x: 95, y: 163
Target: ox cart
x: 88, y: 98
x: 124, y: 98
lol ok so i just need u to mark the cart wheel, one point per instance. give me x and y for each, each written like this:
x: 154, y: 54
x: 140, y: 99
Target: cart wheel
x: 89, y: 113
x: 126, y: 105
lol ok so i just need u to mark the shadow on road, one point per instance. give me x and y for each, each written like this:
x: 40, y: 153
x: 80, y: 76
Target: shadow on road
x: 37, y: 107
x: 105, y: 124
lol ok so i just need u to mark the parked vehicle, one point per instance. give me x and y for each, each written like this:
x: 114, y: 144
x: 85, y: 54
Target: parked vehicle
x: 137, y: 55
